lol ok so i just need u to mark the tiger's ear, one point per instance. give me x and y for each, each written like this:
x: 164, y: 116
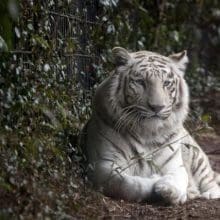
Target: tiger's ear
x: 180, y: 59
x: 120, y: 56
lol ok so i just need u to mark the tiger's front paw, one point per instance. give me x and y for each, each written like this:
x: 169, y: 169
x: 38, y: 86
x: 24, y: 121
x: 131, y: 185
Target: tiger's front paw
x: 213, y: 193
x: 166, y: 188
x: 193, y: 193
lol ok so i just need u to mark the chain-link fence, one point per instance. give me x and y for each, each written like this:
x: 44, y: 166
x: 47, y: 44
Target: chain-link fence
x: 68, y: 27
x: 53, y: 44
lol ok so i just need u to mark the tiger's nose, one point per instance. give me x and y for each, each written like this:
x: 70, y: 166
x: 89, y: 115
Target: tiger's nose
x: 156, y: 108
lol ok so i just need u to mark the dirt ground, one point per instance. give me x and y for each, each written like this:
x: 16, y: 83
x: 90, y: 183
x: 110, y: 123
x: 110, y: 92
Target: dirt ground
x: 196, y: 209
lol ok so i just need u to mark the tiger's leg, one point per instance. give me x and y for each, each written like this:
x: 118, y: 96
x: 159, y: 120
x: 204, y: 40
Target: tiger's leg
x: 173, y: 185
x: 120, y: 185
x: 202, y: 175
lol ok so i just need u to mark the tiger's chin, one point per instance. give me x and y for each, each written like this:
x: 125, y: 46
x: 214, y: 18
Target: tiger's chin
x: 159, y: 124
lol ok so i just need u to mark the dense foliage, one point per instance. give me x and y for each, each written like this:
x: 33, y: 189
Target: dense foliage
x: 45, y: 101
x: 167, y: 26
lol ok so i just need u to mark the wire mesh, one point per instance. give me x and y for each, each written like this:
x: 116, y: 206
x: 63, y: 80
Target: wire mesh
x: 67, y: 26
x: 70, y: 25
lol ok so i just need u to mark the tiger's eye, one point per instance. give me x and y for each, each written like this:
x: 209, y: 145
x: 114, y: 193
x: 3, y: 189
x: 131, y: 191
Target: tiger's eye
x: 140, y: 81
x: 166, y: 83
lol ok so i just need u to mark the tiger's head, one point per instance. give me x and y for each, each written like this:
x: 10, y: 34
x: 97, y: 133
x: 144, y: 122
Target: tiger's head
x: 148, y: 87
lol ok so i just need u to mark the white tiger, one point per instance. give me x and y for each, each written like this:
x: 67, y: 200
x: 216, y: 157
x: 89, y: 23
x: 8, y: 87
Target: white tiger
x: 135, y: 141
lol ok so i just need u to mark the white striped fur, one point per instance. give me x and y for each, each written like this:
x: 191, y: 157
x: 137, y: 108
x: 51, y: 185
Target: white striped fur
x: 135, y: 141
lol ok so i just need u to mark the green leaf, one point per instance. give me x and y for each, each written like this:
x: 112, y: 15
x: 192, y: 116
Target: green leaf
x: 3, y: 45
x: 206, y: 118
